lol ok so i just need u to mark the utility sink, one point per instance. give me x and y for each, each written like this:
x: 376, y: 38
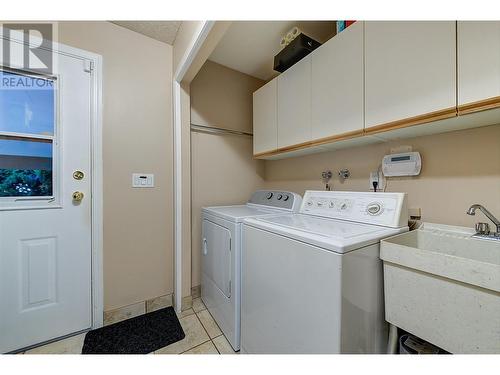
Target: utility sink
x: 443, y: 285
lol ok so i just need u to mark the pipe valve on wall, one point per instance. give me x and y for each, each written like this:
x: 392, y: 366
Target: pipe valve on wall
x: 344, y: 174
x: 327, y: 176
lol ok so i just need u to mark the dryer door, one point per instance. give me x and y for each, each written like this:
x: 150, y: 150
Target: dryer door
x: 216, y: 254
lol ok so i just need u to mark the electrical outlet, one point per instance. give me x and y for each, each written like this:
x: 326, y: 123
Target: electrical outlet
x: 379, y: 177
x: 415, y: 213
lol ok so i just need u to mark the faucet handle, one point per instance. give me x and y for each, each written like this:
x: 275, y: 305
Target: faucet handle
x: 482, y: 228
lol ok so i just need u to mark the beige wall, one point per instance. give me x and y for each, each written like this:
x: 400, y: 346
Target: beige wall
x: 222, y: 167
x: 458, y: 169
x: 222, y: 97
x: 137, y: 137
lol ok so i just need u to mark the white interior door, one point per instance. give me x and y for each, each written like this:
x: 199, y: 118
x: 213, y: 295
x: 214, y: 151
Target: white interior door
x: 45, y: 228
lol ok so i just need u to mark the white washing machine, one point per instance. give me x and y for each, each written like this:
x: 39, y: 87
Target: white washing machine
x: 312, y: 282
x: 221, y: 254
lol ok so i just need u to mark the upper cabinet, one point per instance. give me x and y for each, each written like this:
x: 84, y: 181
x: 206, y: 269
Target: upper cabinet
x: 410, y: 72
x: 265, y: 121
x: 478, y: 65
x: 337, y: 85
x: 294, y: 104
x: 382, y: 76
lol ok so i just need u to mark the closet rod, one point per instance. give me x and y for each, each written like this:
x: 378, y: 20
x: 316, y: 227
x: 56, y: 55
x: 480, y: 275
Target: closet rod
x: 214, y: 130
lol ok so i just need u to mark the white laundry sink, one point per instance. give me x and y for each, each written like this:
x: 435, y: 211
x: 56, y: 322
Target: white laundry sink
x: 444, y: 286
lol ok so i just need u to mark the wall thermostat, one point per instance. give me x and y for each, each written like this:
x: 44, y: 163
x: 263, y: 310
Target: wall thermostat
x: 404, y: 164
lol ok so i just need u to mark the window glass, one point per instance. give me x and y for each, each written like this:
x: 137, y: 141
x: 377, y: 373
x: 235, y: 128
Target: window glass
x: 26, y: 104
x: 25, y: 167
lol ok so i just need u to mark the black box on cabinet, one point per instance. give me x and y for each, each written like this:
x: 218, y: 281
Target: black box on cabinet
x: 298, y: 48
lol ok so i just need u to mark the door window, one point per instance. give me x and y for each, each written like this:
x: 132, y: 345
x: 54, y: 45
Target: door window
x: 28, y: 139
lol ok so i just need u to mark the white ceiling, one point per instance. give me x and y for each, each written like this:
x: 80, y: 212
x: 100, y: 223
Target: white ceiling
x: 164, y: 31
x: 250, y: 46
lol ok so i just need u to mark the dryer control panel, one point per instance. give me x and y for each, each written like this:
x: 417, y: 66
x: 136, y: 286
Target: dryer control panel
x: 387, y: 209
x: 276, y: 199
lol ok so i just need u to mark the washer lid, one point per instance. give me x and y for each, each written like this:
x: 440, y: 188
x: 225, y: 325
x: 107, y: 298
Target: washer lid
x: 238, y: 213
x: 331, y: 234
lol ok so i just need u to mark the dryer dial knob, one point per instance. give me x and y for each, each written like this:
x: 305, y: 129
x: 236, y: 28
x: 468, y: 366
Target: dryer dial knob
x: 269, y: 195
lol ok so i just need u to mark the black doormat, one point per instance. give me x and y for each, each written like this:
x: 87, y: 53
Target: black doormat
x: 140, y: 335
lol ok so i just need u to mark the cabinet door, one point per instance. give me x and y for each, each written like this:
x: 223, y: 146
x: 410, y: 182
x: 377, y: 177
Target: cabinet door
x: 294, y: 104
x: 337, y: 84
x: 265, y: 125
x: 478, y: 61
x: 410, y: 70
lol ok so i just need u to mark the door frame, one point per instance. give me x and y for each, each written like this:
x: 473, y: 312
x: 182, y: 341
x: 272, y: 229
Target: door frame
x: 187, y: 59
x: 96, y: 166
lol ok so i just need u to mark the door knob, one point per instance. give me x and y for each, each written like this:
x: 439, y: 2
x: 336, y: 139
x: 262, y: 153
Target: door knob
x: 77, y: 196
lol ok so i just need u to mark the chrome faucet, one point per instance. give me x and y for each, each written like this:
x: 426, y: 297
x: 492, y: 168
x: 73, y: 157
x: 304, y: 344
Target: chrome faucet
x: 472, y: 211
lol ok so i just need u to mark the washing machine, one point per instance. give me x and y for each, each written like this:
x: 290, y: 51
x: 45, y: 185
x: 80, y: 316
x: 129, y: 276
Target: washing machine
x: 312, y: 282
x: 221, y: 254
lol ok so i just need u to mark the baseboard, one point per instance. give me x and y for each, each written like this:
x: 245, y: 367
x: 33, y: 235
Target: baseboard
x: 136, y: 309
x: 187, y: 303
x: 196, y: 291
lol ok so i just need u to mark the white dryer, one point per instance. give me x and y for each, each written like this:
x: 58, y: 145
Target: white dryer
x: 312, y: 282
x: 221, y: 254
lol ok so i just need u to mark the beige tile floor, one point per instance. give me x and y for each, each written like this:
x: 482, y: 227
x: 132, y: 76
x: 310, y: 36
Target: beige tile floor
x: 203, y: 336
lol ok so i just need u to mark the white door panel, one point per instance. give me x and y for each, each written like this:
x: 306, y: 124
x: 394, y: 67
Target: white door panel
x: 478, y: 46
x: 294, y: 104
x: 410, y: 69
x: 283, y: 282
x: 337, y: 84
x: 216, y: 251
x: 265, y: 120
x: 45, y: 248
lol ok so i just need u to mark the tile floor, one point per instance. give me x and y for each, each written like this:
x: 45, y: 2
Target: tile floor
x: 203, y: 336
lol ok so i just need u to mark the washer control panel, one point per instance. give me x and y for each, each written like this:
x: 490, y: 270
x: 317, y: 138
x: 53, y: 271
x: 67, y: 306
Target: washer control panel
x: 278, y: 199
x: 375, y: 208
x: 387, y: 209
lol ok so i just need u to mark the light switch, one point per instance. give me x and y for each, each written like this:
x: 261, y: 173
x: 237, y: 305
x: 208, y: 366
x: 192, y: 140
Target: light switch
x: 143, y: 180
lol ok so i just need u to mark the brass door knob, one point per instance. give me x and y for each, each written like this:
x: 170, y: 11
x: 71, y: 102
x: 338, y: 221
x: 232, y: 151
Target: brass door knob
x: 77, y: 196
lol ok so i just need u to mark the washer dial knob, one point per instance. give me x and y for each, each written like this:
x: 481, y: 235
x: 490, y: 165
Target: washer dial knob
x: 374, y: 208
